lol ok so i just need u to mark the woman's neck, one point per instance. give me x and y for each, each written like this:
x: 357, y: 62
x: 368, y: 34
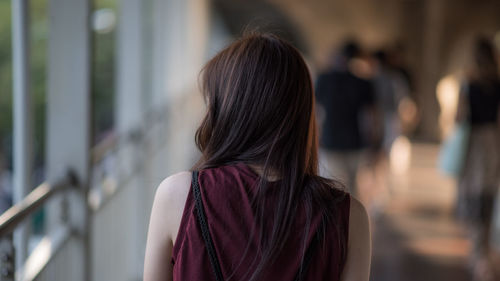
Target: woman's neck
x: 259, y: 170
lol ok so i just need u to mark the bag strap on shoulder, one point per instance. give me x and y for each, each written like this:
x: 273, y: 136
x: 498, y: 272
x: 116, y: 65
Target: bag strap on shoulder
x: 202, y: 220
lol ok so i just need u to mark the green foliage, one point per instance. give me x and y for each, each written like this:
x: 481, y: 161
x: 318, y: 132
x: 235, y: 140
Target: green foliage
x: 103, y: 77
x: 38, y: 53
x: 103, y: 74
x: 103, y: 86
x: 5, y: 78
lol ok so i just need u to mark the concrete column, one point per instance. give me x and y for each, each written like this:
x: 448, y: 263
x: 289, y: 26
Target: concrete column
x: 159, y: 50
x: 129, y: 98
x: 433, y: 26
x: 68, y: 120
x: 131, y: 103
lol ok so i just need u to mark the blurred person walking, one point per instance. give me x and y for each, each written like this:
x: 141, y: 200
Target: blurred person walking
x: 478, y: 182
x: 390, y: 89
x: 348, y: 102
x: 255, y: 208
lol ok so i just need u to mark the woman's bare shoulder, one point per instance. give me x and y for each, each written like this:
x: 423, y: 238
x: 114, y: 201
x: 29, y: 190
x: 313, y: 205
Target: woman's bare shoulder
x: 357, y: 266
x: 174, y: 186
x: 171, y: 198
x: 166, y: 214
x: 358, y: 214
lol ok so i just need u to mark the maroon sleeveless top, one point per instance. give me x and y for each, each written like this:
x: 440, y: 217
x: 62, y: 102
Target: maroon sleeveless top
x: 226, y: 193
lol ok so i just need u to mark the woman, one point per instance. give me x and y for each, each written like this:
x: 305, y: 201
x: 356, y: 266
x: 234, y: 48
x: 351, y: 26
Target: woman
x: 265, y: 213
x: 478, y: 182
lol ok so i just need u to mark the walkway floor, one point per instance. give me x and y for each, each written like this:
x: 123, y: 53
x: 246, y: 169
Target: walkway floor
x: 415, y: 236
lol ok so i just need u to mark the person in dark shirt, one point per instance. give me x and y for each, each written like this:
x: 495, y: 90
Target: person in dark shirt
x: 478, y: 183
x: 345, y: 99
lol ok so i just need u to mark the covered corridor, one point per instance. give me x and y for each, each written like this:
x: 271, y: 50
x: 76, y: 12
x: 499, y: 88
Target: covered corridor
x: 99, y: 102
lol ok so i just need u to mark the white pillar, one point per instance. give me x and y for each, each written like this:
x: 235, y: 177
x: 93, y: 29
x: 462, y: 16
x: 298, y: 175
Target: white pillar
x: 130, y: 104
x: 160, y: 27
x: 129, y: 99
x: 22, y: 119
x: 68, y: 119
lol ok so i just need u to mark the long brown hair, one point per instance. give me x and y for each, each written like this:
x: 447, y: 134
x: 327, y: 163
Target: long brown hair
x: 260, y: 103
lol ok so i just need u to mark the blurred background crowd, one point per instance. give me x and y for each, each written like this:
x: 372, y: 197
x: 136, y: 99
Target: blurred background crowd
x: 407, y: 96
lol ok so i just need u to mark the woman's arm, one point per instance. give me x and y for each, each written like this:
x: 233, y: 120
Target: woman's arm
x: 357, y: 267
x: 166, y: 216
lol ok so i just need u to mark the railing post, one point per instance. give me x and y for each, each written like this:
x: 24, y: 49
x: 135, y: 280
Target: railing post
x: 7, y: 258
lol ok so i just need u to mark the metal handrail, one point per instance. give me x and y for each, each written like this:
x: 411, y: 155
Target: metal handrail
x: 16, y: 214
x: 104, y: 146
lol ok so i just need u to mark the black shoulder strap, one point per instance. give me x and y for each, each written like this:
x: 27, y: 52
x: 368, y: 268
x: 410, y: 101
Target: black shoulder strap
x: 202, y: 220
x: 209, y: 244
